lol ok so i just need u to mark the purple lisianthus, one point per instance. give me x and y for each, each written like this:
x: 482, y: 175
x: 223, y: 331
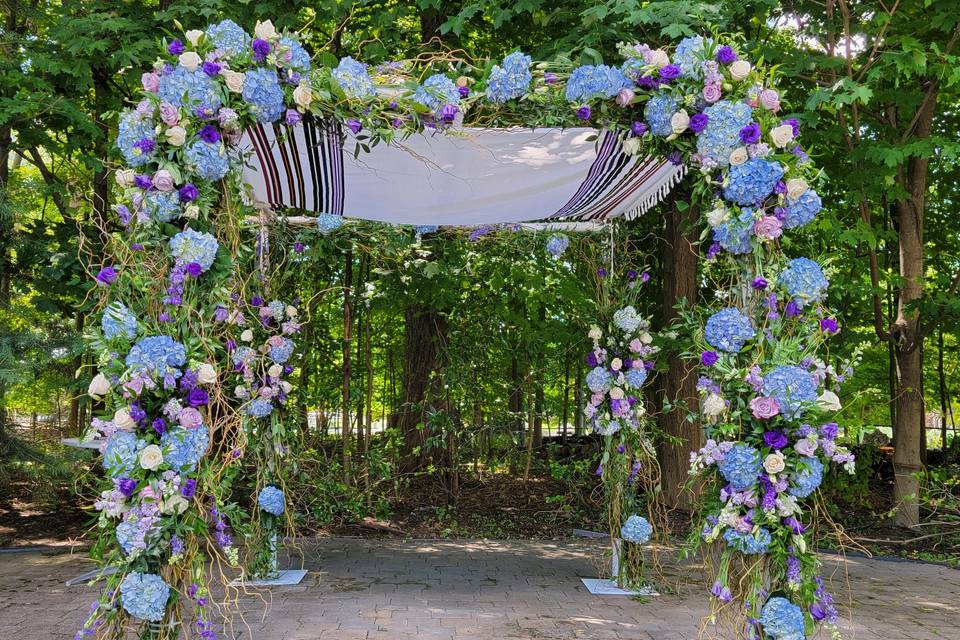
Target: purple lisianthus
x: 449, y: 112
x: 631, y: 275
x: 292, y: 117
x: 669, y: 72
x: 299, y: 247
x: 592, y: 359
x: 638, y: 128
x: 675, y: 158
x: 792, y: 309
x: 645, y: 277
x: 127, y: 486
x: 714, y: 250
x: 256, y: 301
x: 197, y: 397
x: 159, y: 425
x: 750, y: 134
x: 188, y: 193
x: 211, y: 68
x: 261, y: 49
x: 829, y: 430
x: 188, y: 488
x: 698, y: 122
x: 795, y: 525
x: 709, y: 358
x: 726, y: 54
x: 354, y: 125
x: 795, y: 125
x: 829, y: 325
x: 209, y: 134
x: 775, y: 439
x: 759, y: 283
x: 463, y: 91
x: 194, y: 269
x: 601, y: 272
x: 584, y: 112
x: 175, y: 48
x: 107, y: 275
x: 143, y: 182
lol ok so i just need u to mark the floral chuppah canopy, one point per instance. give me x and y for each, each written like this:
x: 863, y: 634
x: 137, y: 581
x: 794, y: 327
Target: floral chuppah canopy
x: 195, y: 382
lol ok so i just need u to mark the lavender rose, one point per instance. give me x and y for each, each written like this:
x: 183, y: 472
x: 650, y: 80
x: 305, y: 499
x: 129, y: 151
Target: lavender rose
x: 764, y: 408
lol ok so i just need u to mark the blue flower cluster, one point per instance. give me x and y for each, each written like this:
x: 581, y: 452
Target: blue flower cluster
x: 748, y: 543
x: 125, y: 533
x: 194, y: 246
x: 328, y: 222
x: 792, y: 386
x: 424, y: 229
x: 599, y: 379
x: 120, y: 453
x: 729, y: 329
x: 511, y: 80
x: 636, y: 529
x: 144, y: 596
x: 183, y: 448
x: 118, y: 320
x: 689, y: 54
x: 209, y: 160
x: 734, y: 235
x: 228, y: 38
x: 782, y: 620
x: 806, y: 480
x: 282, y: 353
x: 557, y: 244
x: 589, y: 82
x: 132, y: 129
x: 659, y: 110
x: 258, y: 408
x: 436, y: 91
x: 802, y: 210
x: 271, y: 500
x: 804, y: 281
x: 722, y: 134
x: 752, y: 181
x: 163, y: 207
x: 636, y: 378
x: 740, y: 466
x: 262, y: 91
x: 157, y: 355
x: 182, y: 87
x: 353, y: 78
x: 299, y: 59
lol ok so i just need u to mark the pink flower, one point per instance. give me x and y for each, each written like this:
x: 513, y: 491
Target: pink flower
x: 148, y: 493
x: 163, y: 181
x: 190, y: 418
x: 764, y: 408
x: 712, y: 93
x: 636, y: 345
x: 169, y: 114
x: 806, y: 447
x: 150, y: 82
x: 768, y: 228
x: 275, y: 341
x: 770, y: 100
x: 597, y: 398
x: 625, y: 97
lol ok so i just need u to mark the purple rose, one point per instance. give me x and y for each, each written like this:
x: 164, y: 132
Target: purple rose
x: 584, y: 112
x: 107, y: 275
x: 709, y: 358
x: 698, y: 122
x: 188, y: 193
x: 175, y: 48
x: 829, y: 325
x: 354, y: 125
x: 127, y: 486
x: 261, y: 48
x: 750, y: 134
x: 726, y: 54
x: 209, y: 134
x: 775, y: 439
x: 670, y: 72
x: 764, y: 408
x: 197, y: 397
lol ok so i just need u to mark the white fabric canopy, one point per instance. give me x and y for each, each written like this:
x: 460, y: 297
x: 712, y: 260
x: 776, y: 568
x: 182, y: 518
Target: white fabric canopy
x: 459, y: 177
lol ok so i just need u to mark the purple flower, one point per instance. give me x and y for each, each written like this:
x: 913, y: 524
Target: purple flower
x: 299, y: 247
x: 448, y: 113
x: 188, y: 488
x: 793, y: 125
x: 584, y: 112
x: 256, y: 301
x: 143, y: 182
x: 592, y: 359
x: 146, y: 145
x: 261, y: 48
x: 775, y: 439
x: 621, y: 449
x: 188, y: 193
x: 795, y: 525
x: 750, y: 134
x: 159, y: 425
x: 699, y: 122
x: 211, y: 68
x: 599, y: 470
x: 197, y: 397
x: 759, y: 283
x: 175, y: 48
x: 209, y: 134
x: 638, y: 128
x: 463, y: 91
x: 829, y: 430
x: 829, y: 325
x: 107, y: 275
x: 714, y: 250
x: 670, y: 72
x: 292, y: 117
x: 127, y: 486
x: 136, y: 246
x: 817, y: 612
x: 644, y: 277
x: 726, y: 54
x: 601, y: 272
x: 709, y: 358
x: 780, y: 187
x: 549, y: 78
x: 194, y: 269
x: 631, y: 275
x: 792, y: 310
x: 354, y: 125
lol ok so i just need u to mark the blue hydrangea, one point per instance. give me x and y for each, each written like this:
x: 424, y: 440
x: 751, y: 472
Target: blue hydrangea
x: 261, y: 90
x: 632, y: 68
x: 748, y: 543
x: 599, y: 379
x: 299, y: 59
x: 228, y: 38
x: 740, y: 466
x: 328, y: 222
x: 258, y: 408
x: 182, y: 87
x: 436, y: 91
x: 734, y: 235
x: 277, y: 308
x: 722, y: 134
x: 594, y: 81
x: 792, y: 386
x: 804, y: 281
x: 511, y: 80
x: 636, y: 378
x: 636, y: 529
x: 162, y: 206
x: 751, y: 182
x: 194, y: 246
x: 144, y: 596
x: 353, y: 78
x: 689, y: 54
x: 157, y: 354
x: 806, y: 479
x: 659, y: 110
x: 557, y: 244
x: 183, y: 448
x: 208, y: 160
x: 802, y: 210
x: 423, y: 229
x: 271, y: 500
x: 606, y: 427
x: 133, y: 128
x: 118, y: 320
x: 120, y: 453
x: 126, y: 533
x: 782, y: 620
x: 729, y: 329
x: 242, y: 354
x: 282, y: 353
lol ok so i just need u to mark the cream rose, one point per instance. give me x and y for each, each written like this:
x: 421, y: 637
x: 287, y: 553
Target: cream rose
x: 275, y: 370
x: 659, y: 58
x: 265, y: 30
x: 193, y: 36
x: 163, y: 181
x: 595, y: 332
x: 828, y: 401
x: 616, y: 364
x: 302, y: 96
x: 125, y: 177
x: 234, y: 80
x: 192, y: 212
x: 206, y: 374
x: 713, y: 405
x: 176, y: 504
x: 631, y: 146
x: 739, y: 156
x: 740, y: 69
x: 286, y: 386
x: 680, y: 121
x: 151, y: 457
x: 796, y: 187
x: 176, y: 136
x: 774, y: 463
x: 247, y: 335
x: 616, y: 393
x: 99, y: 387
x: 122, y: 419
x: 190, y: 60
x: 646, y: 338
x: 718, y: 216
x: 782, y: 135
x: 291, y: 311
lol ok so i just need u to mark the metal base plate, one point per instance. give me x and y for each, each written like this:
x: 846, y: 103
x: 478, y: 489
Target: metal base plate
x: 604, y: 587
x: 287, y: 578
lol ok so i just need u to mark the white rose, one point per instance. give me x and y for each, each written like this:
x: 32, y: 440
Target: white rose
x: 659, y: 58
x: 739, y: 156
x: 122, y: 419
x: 680, y: 121
x: 718, y: 216
x: 151, y: 457
x: 125, y: 177
x: 796, y: 187
x: 190, y: 60
x: 240, y: 391
x: 193, y: 36
x: 286, y: 386
x: 740, y: 69
x: 303, y: 96
x: 616, y: 393
x: 99, y: 387
x: 265, y: 30
x: 631, y: 146
x: 234, y: 80
x: 174, y: 504
x: 714, y: 405
x: 782, y: 135
x: 247, y: 335
x: 192, y: 212
x: 275, y: 370
x: 176, y: 136
x: 774, y: 463
x: 828, y: 401
x: 646, y: 338
x: 595, y: 332
x: 206, y: 374
x: 616, y: 364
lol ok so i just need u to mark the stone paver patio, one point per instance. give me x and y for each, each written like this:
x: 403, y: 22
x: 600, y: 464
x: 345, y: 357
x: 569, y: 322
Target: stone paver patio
x: 473, y: 590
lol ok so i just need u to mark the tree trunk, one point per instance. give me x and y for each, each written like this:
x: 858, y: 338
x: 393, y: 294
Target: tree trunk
x: 680, y: 379
x: 566, y: 397
x: 942, y: 383
x: 345, y: 398
x: 578, y: 400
